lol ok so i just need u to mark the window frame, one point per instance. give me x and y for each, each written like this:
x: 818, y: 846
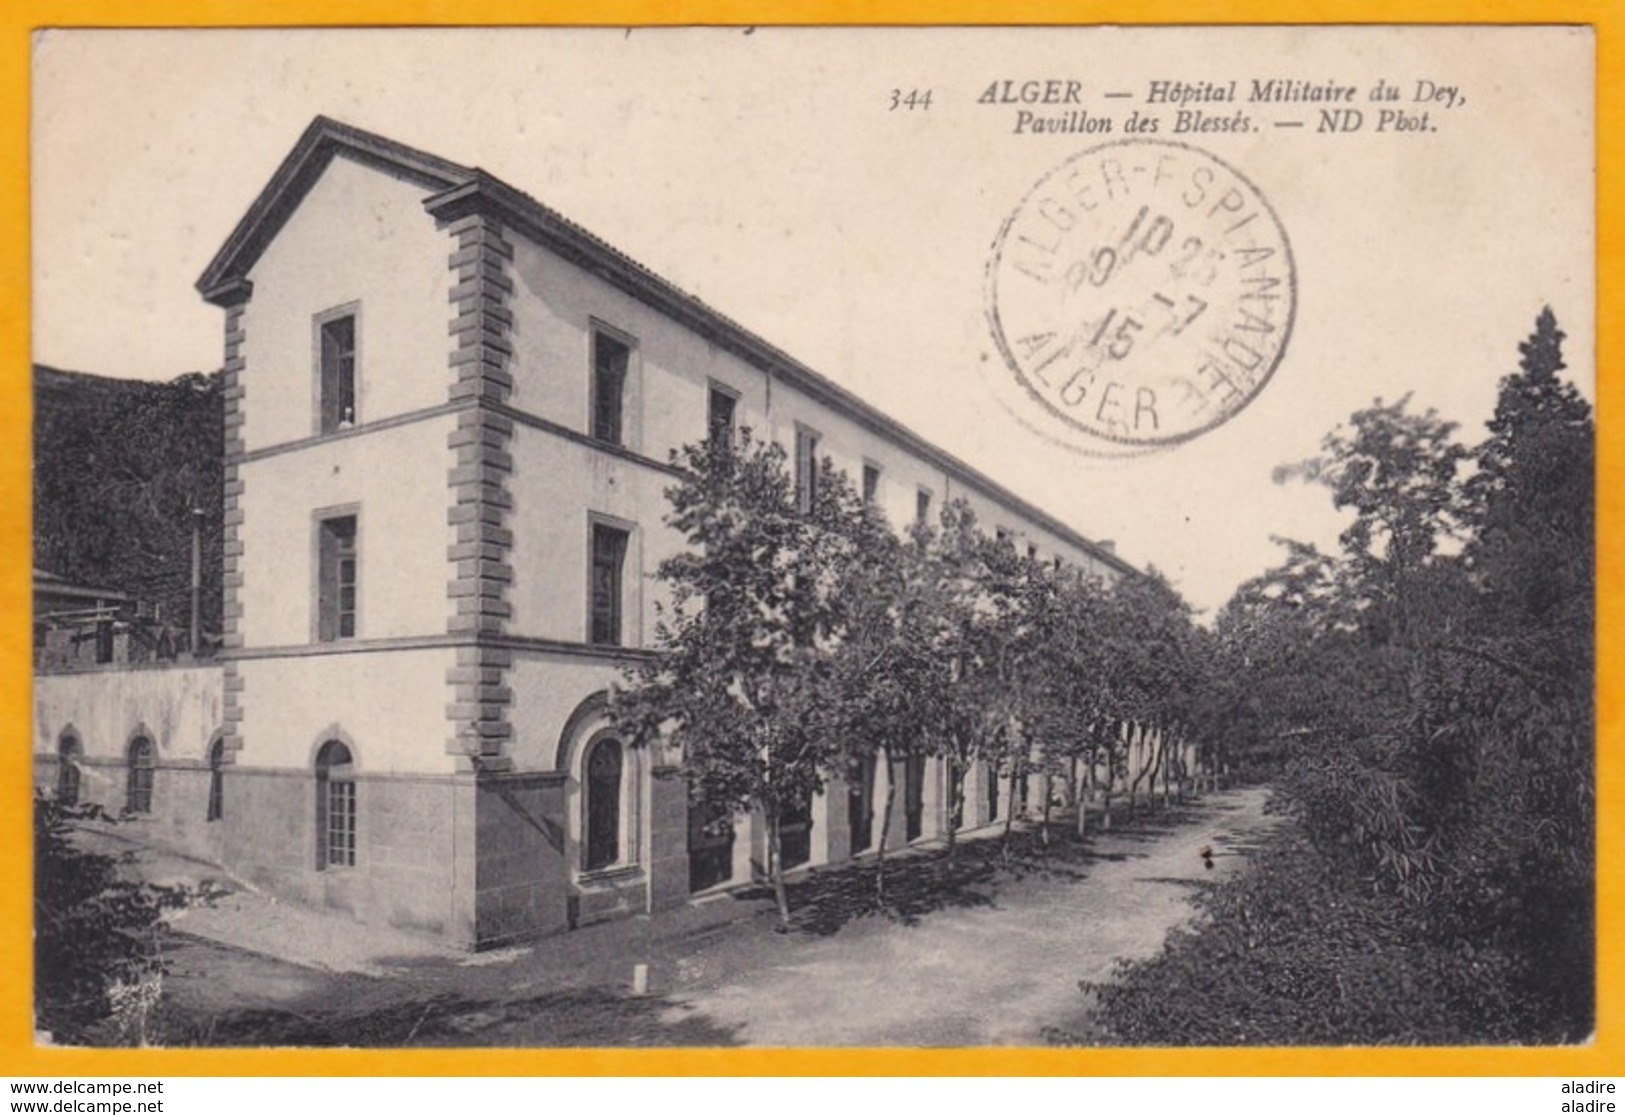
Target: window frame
x: 626, y: 632
x: 716, y: 389
x: 922, y: 506
x: 69, y: 750
x: 335, y: 781
x: 216, y: 755
x: 806, y: 465
x: 326, y: 627
x: 628, y: 833
x: 624, y: 424
x: 326, y: 420
x: 140, y: 774
x: 596, y: 856
x: 869, y: 482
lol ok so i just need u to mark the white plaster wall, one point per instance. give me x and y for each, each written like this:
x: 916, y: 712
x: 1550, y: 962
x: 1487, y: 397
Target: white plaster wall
x: 180, y: 706
x: 557, y: 483
x: 391, y: 705
x: 555, y: 304
x: 397, y: 478
x: 547, y: 688
x: 359, y: 235
x: 555, y: 307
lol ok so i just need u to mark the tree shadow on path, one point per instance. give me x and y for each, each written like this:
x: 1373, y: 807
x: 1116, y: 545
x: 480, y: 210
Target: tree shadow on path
x: 923, y: 881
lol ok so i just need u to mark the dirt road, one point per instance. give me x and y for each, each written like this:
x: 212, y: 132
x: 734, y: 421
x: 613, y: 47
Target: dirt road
x: 976, y: 952
x: 997, y: 975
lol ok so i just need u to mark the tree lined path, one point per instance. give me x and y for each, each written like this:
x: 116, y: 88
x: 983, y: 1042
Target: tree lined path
x: 1002, y: 974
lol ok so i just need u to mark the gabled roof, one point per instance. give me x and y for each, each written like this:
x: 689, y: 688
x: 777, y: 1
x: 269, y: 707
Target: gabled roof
x: 459, y: 189
x: 322, y: 140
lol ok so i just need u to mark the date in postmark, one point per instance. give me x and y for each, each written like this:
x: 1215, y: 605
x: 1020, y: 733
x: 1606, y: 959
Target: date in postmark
x: 1142, y: 293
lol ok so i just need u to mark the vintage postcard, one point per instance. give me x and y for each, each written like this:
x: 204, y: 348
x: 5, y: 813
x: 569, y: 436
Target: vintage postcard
x: 1024, y: 538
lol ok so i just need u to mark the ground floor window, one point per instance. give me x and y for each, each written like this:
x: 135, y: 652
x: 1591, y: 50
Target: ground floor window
x: 335, y: 806
x: 710, y: 843
x: 601, y: 826
x: 914, y: 797
x: 67, y: 771
x: 860, y: 805
x: 217, y: 796
x: 795, y: 832
x: 138, y: 779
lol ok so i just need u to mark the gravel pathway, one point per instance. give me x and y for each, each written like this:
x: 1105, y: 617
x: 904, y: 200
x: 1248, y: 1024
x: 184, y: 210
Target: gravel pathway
x: 996, y: 975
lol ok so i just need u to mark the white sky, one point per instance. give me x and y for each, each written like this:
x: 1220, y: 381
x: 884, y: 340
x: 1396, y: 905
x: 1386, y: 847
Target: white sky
x: 765, y: 174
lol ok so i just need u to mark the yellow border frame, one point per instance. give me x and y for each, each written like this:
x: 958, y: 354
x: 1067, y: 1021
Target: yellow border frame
x: 18, y: 18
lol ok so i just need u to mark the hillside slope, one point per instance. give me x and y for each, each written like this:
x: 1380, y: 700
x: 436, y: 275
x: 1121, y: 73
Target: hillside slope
x: 118, y: 467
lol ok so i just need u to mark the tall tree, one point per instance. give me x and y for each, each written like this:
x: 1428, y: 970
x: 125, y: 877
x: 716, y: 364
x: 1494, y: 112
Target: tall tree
x: 742, y: 672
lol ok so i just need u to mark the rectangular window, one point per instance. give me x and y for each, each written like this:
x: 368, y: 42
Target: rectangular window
x: 922, y: 507
x: 610, y: 359
x: 608, y: 562
x: 719, y: 418
x: 338, y: 373
x: 340, y: 823
x: 1032, y: 552
x: 336, y: 580
x: 871, y: 482
x: 806, y: 469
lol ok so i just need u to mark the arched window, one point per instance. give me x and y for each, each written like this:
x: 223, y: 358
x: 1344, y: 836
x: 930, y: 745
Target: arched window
x: 217, y: 787
x: 138, y: 781
x: 67, y: 770
x: 601, y: 827
x: 335, y: 806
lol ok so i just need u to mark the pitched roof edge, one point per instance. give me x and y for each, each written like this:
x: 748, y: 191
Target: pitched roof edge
x: 458, y: 189
x: 321, y: 140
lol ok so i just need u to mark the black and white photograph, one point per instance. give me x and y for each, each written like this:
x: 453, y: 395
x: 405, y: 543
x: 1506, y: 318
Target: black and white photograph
x: 814, y: 537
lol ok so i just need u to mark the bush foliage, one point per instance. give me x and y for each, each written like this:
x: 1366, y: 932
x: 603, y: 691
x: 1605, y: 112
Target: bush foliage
x: 1424, y: 701
x: 95, y: 934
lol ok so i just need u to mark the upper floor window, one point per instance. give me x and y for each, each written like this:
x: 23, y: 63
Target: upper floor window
x: 607, y: 582
x: 1032, y: 552
x: 337, y: 341
x: 719, y: 416
x: 871, y: 481
x: 922, y: 507
x: 610, y: 360
x: 806, y: 469
x: 336, y: 569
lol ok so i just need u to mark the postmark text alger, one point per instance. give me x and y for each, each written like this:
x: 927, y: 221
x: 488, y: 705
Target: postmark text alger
x: 1142, y: 293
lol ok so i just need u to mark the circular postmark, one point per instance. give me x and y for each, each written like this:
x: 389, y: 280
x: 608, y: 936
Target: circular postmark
x: 1143, y: 292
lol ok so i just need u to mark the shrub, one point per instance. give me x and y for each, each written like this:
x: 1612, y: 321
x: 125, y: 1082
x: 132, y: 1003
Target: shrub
x: 96, y: 964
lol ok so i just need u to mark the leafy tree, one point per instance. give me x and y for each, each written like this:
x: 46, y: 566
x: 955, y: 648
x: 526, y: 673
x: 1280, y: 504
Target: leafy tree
x: 1428, y: 692
x: 890, y: 676
x: 742, y: 672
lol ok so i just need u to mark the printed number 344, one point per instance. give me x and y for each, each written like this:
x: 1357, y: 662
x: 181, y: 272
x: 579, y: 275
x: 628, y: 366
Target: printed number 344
x: 911, y: 100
